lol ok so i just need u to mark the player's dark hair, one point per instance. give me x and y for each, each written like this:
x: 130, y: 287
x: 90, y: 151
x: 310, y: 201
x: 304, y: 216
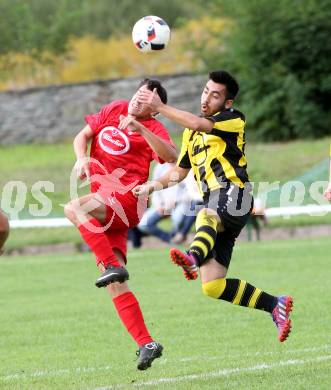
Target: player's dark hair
x: 223, y: 77
x: 161, y: 91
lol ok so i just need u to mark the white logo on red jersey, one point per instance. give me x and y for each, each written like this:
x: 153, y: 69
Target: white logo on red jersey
x: 113, y: 141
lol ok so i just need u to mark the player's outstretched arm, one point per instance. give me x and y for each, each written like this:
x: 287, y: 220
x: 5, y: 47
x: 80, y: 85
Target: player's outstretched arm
x: 183, y: 118
x: 170, y: 178
x: 4, y: 230
x: 163, y: 149
x: 80, y: 148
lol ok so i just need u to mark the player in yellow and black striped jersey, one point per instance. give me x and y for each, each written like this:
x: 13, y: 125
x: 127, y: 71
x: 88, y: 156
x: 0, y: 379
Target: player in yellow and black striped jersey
x: 217, y: 158
x: 327, y: 193
x: 213, y: 147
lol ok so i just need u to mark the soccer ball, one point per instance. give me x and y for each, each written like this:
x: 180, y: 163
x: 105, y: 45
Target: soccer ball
x: 150, y: 33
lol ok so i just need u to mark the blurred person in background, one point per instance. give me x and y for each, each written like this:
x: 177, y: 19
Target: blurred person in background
x: 125, y: 139
x: 253, y: 223
x: 4, y: 231
x: 177, y: 202
x: 327, y: 192
x: 192, y: 201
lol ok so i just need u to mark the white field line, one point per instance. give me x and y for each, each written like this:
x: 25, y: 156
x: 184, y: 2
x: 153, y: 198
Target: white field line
x: 255, y: 354
x: 82, y: 370
x: 49, y: 373
x: 222, y: 373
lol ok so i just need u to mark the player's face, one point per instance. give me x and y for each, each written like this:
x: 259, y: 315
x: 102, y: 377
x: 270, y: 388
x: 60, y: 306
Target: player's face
x: 213, y: 98
x: 137, y: 109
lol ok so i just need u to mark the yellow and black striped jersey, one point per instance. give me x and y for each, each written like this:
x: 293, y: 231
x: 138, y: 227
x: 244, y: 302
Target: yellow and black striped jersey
x: 217, y: 158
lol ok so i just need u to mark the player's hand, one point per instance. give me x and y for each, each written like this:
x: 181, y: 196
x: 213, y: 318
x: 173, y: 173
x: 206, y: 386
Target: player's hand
x: 150, y: 98
x: 143, y: 190
x: 327, y: 193
x: 129, y: 122
x: 82, y: 169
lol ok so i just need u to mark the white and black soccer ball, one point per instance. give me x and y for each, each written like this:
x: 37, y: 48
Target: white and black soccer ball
x: 150, y: 33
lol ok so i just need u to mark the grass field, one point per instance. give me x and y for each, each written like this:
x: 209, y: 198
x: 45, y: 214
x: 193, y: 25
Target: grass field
x: 20, y: 238
x: 59, y: 332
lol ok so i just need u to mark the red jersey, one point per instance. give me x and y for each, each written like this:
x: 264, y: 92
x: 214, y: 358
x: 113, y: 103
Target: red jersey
x: 125, y: 154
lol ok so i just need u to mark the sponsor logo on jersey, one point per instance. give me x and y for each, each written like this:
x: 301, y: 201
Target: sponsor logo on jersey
x: 113, y: 141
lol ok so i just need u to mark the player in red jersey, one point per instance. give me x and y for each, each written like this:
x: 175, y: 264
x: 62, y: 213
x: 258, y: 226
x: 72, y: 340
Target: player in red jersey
x: 4, y: 230
x: 125, y: 139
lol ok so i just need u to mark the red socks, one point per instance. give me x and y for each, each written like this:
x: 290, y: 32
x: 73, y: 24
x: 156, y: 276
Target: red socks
x: 98, y: 242
x: 126, y: 304
x: 129, y: 311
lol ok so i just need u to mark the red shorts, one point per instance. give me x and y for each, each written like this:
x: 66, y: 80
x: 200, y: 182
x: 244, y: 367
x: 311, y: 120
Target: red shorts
x: 123, y: 212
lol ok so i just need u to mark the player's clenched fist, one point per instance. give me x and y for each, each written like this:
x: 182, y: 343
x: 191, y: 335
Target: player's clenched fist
x: 81, y: 168
x: 143, y: 189
x: 129, y: 122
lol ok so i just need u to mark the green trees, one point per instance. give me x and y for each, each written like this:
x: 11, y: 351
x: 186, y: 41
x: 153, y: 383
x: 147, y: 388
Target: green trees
x: 103, y: 18
x: 279, y: 50
x: 281, y: 53
x: 33, y: 26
